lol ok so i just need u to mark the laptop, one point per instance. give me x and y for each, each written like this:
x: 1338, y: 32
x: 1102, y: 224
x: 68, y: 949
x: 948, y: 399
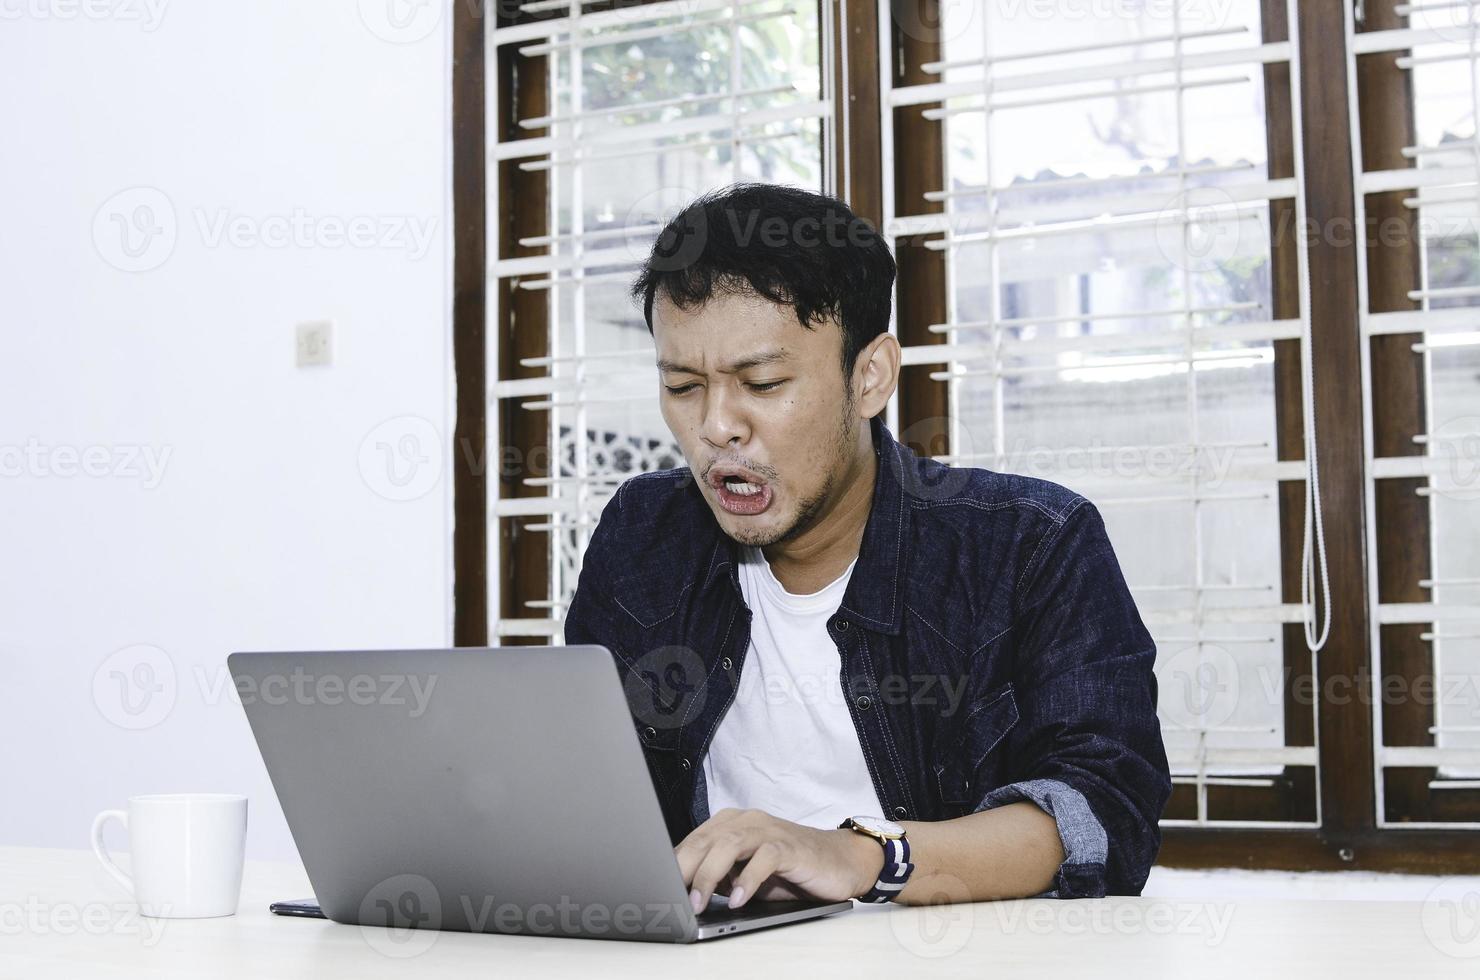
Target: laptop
x: 477, y: 790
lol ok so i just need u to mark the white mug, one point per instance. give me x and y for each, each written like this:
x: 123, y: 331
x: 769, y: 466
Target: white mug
x: 187, y: 851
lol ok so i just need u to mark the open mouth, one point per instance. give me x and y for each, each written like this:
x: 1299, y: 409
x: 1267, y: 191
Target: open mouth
x: 740, y: 491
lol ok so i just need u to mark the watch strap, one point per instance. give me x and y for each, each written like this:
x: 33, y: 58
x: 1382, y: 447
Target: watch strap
x: 896, y: 872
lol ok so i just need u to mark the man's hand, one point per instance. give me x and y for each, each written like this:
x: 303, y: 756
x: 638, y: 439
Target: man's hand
x: 780, y: 860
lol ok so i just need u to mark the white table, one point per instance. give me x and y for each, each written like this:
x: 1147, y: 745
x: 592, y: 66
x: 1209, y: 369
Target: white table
x: 60, y: 916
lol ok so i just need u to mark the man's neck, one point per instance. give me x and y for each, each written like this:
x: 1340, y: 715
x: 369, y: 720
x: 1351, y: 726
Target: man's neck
x: 816, y: 557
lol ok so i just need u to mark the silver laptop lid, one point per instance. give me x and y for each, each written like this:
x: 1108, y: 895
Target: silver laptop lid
x: 489, y: 790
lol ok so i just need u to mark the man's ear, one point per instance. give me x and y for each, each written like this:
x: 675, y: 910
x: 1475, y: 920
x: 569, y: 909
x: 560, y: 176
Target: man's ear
x: 876, y: 374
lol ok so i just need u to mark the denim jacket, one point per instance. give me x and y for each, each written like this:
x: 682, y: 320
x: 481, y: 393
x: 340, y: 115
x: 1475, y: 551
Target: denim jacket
x: 990, y: 652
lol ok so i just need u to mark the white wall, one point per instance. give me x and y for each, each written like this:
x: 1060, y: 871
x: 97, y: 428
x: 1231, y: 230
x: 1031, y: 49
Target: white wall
x: 264, y: 525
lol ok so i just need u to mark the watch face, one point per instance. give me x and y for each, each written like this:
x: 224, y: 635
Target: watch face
x: 879, y: 825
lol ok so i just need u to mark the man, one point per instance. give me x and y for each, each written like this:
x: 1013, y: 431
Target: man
x: 813, y: 624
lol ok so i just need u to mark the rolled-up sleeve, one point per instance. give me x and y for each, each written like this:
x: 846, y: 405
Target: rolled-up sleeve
x: 1087, y: 748
x: 1085, y: 845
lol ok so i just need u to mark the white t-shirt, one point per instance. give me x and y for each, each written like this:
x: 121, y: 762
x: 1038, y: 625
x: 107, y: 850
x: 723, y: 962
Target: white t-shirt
x: 787, y: 745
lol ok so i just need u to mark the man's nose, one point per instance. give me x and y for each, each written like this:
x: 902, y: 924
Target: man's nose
x: 724, y: 424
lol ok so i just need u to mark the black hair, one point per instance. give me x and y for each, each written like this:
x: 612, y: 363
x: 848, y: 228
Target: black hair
x: 794, y: 247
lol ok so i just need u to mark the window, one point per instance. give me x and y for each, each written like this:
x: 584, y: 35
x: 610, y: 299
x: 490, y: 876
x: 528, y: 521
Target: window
x: 1103, y: 212
x: 649, y: 106
x: 1417, y: 175
x: 1128, y: 262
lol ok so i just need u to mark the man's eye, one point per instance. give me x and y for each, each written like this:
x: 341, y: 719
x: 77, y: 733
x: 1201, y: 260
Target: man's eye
x: 679, y: 389
x: 766, y: 385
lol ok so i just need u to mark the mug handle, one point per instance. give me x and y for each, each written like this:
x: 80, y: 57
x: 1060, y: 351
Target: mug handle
x: 101, y: 849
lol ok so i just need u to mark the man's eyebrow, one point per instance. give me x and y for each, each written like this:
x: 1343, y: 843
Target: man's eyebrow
x: 753, y: 360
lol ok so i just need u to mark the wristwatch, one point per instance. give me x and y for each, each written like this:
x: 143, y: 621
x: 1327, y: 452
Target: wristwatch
x: 897, y: 866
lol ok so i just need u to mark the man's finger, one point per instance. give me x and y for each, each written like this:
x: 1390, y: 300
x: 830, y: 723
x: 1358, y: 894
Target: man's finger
x: 690, y: 851
x: 720, y: 860
x: 762, y: 865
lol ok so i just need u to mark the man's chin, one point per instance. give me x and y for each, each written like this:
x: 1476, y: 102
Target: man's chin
x: 749, y: 531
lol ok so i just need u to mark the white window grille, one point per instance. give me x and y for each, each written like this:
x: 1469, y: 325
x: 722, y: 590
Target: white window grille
x: 651, y: 106
x: 1440, y: 47
x: 1105, y: 221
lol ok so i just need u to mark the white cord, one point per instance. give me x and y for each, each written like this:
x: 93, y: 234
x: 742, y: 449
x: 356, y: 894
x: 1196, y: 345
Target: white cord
x: 1309, y: 612
x: 1309, y: 557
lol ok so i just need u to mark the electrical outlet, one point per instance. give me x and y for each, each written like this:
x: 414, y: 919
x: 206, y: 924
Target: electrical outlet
x: 315, y: 343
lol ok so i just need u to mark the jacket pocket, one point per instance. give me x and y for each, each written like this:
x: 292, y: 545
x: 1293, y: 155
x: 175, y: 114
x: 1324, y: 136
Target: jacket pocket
x: 962, y: 770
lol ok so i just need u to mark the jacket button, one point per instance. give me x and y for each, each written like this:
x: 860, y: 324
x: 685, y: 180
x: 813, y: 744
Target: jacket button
x: 841, y: 625
x: 649, y: 733
x: 864, y: 702
x: 684, y: 764
x: 726, y: 664
x: 900, y: 813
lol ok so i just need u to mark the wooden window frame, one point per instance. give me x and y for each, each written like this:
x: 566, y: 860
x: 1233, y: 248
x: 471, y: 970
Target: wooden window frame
x: 1348, y: 836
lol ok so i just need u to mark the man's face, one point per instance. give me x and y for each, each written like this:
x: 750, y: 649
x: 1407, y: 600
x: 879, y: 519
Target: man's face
x: 758, y: 406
